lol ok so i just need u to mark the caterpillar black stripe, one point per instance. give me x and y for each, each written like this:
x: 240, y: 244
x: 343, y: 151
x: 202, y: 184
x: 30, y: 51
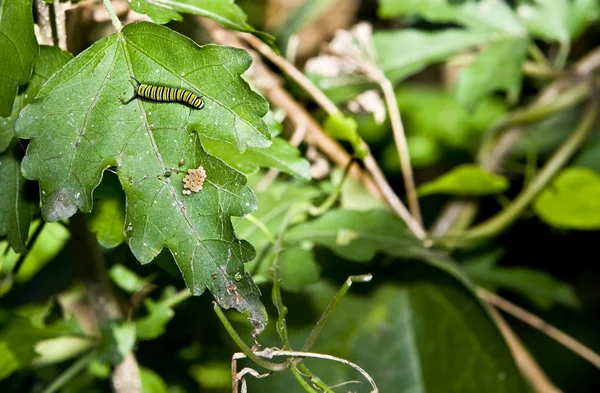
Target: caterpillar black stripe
x: 165, y: 94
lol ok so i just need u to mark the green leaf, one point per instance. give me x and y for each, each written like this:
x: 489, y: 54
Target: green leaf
x: 359, y: 235
x: 153, y: 325
x: 19, y: 336
x: 19, y: 46
x: 298, y: 268
x: 539, y: 287
x: 107, y: 221
x: 466, y: 179
x: 280, y: 155
x: 497, y: 67
x: 589, y: 157
x: 344, y: 128
x: 152, y: 382
x: 90, y: 130
x: 429, y: 333
x: 558, y: 20
x: 224, y: 12
x: 50, y: 60
x: 489, y: 16
x: 126, y: 279
x: 454, y: 126
x: 572, y: 200
x: 50, y: 241
x: 307, y: 12
x: 402, y: 53
x: 16, y: 210
x: 117, y: 341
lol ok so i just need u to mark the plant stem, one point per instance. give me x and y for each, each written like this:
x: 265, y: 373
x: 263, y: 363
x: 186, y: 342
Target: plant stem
x: 244, y: 347
x: 179, y: 297
x: 89, y: 258
x: 113, y: 16
x: 69, y: 373
x: 331, y: 308
x: 544, y: 327
x: 305, y: 385
x: 537, y: 55
x: 402, y: 146
x: 502, y: 220
x: 261, y: 226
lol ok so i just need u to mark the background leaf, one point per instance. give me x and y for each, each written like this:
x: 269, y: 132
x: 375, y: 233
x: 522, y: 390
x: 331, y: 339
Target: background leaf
x: 572, y: 200
x: 92, y: 130
x: 16, y: 210
x: 17, y: 39
x: 359, y: 235
x: 466, y: 179
x: 400, y: 334
x: 280, y: 155
x: 225, y: 12
x: 539, y: 287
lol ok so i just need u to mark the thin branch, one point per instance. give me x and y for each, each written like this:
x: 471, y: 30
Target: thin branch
x: 113, y: 16
x: 526, y: 363
x: 70, y: 372
x: 294, y: 73
x: 268, y: 353
x: 541, y: 325
x: 402, y: 146
x: 561, y: 156
x: 331, y: 308
x: 412, y: 221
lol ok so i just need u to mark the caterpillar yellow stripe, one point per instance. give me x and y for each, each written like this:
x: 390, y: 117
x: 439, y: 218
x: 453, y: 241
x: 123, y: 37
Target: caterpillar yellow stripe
x: 165, y: 94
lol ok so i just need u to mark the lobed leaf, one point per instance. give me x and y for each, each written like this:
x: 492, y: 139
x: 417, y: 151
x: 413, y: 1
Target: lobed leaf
x: 78, y: 127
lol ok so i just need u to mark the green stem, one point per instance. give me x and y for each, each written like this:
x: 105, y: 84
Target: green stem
x: 333, y: 197
x: 244, y: 347
x: 69, y: 373
x: 316, y: 380
x: 303, y: 382
x: 179, y: 297
x: 261, y: 226
x: 113, y: 16
x: 506, y: 217
x: 331, y: 308
x: 537, y: 55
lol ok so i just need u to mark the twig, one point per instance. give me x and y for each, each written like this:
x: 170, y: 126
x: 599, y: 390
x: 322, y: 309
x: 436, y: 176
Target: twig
x: 320, y: 97
x: 331, y: 308
x: 269, y: 353
x: 70, y: 372
x: 502, y: 220
x: 113, y: 16
x: 541, y: 325
x: 526, y: 363
x: 100, y: 296
x: 402, y: 146
x: 413, y: 222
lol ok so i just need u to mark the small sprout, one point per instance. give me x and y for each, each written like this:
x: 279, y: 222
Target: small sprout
x: 238, y: 276
x: 193, y: 181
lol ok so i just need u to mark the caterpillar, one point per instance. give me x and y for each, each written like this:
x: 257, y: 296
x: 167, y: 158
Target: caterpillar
x: 165, y: 94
